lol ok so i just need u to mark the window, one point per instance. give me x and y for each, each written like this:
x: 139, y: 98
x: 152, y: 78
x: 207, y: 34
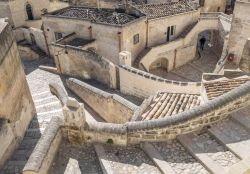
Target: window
x: 170, y: 32
x: 58, y: 35
x: 136, y: 39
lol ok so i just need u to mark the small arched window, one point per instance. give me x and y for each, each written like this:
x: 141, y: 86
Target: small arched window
x: 29, y: 12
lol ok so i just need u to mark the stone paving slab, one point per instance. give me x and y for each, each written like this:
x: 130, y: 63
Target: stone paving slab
x: 131, y: 159
x: 234, y: 136
x: 209, y: 152
x: 85, y: 155
x: 178, y: 158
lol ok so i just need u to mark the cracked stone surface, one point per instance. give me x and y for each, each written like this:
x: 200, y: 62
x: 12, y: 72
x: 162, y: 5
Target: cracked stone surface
x: 129, y: 160
x: 178, y: 158
x: 85, y: 155
x: 215, y: 151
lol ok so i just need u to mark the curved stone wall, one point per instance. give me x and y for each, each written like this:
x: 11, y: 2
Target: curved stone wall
x: 168, y: 128
x: 131, y: 80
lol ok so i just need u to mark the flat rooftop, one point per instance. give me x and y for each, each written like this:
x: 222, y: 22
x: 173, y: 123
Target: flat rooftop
x: 95, y: 15
x: 164, y: 9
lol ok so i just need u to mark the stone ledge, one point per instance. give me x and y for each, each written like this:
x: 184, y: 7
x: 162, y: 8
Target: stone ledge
x: 39, y: 156
x: 156, y: 78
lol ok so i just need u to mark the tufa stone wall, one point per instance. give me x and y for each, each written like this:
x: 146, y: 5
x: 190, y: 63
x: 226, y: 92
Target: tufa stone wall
x: 84, y: 64
x: 131, y: 81
x: 16, y: 105
x: 111, y: 107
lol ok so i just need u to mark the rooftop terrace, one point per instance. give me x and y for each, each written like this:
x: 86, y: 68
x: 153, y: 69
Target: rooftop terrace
x: 95, y: 15
x: 164, y: 9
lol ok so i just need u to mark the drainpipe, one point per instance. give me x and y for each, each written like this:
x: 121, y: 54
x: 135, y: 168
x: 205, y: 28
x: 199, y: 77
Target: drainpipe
x: 90, y: 32
x: 146, y: 33
x: 46, y: 41
x: 120, y: 41
x: 174, y: 64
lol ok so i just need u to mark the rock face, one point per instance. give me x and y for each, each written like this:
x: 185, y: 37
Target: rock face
x: 16, y: 105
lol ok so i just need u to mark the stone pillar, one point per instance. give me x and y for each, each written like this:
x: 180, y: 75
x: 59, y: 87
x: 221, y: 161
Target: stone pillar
x: 74, y: 116
x: 125, y: 58
x: 240, y: 30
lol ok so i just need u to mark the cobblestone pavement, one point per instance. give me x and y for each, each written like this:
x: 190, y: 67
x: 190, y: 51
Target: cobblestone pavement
x: 129, y: 160
x: 215, y: 151
x: 178, y: 158
x: 85, y: 155
x: 191, y: 72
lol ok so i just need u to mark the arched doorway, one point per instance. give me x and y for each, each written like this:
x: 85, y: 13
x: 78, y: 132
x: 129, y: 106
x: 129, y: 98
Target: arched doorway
x: 29, y: 12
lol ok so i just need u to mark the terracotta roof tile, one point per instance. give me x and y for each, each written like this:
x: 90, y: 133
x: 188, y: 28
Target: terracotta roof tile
x: 217, y: 88
x: 166, y: 104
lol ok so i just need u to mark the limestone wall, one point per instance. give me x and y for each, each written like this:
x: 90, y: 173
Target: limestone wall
x: 111, y: 107
x: 142, y: 84
x: 174, y: 51
x: 106, y: 36
x: 240, y: 30
x: 84, y: 64
x: 157, y: 28
x: 214, y: 6
x: 16, y: 105
x: 18, y: 10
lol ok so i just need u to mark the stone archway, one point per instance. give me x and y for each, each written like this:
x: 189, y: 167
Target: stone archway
x: 161, y: 63
x: 29, y: 12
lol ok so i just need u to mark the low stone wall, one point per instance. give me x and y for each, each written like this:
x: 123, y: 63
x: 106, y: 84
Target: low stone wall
x: 111, y: 107
x: 142, y: 84
x: 43, y: 155
x: 84, y: 64
x: 170, y: 127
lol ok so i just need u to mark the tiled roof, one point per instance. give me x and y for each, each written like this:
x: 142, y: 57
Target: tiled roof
x: 217, y: 88
x: 166, y: 104
x: 108, y: 16
x: 164, y: 9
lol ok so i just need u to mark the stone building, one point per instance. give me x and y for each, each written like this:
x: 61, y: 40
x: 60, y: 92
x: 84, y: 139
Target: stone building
x: 116, y: 30
x: 238, y: 45
x: 16, y: 105
x: 22, y: 12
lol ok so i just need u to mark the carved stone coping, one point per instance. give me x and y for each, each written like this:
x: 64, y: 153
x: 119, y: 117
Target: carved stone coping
x: 157, y: 78
x: 104, y: 94
x: 200, y: 111
x: 59, y: 92
x: 39, y: 156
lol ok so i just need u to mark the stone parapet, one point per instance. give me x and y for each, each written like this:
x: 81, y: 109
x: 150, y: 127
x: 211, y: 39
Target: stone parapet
x: 111, y: 107
x: 170, y: 127
x: 42, y: 156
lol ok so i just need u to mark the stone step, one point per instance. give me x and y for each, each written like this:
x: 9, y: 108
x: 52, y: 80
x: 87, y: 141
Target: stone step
x: 125, y: 160
x: 45, y: 100
x: 48, y: 107
x: 14, y: 167
x: 178, y: 158
x: 34, y: 133
x: 242, y: 117
x: 214, y: 156
x: 40, y: 122
x: 235, y: 137
x: 156, y: 157
x: 49, y: 114
x: 28, y: 143
x: 105, y: 165
x: 41, y: 95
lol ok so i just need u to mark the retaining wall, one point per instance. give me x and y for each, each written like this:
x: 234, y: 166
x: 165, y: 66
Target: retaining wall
x: 111, y: 107
x: 142, y: 84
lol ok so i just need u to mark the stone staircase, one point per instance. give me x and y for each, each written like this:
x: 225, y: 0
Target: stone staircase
x: 213, y: 150
x: 47, y: 106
